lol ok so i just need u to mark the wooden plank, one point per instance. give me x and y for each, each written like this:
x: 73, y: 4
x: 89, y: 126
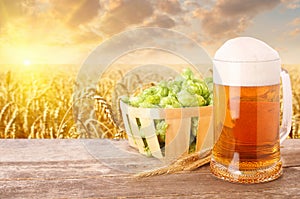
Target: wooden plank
x: 87, y: 169
x: 192, y: 184
x: 117, y: 155
x: 290, y: 153
x: 37, y: 151
x: 42, y: 150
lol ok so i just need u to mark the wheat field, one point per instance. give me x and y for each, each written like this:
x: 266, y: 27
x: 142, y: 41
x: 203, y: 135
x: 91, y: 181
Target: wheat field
x: 39, y: 104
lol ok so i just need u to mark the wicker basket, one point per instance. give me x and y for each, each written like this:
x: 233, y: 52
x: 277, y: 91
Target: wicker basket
x: 177, y: 141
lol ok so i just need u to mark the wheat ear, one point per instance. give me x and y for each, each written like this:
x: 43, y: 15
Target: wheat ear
x: 10, y: 123
x: 32, y: 128
x: 188, y: 162
x: 104, y: 115
x: 4, y: 109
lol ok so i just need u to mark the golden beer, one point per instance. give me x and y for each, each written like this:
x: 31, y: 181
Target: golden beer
x: 247, y: 129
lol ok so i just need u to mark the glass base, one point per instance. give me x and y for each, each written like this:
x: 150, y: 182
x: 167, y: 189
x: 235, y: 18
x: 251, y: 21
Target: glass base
x: 246, y: 177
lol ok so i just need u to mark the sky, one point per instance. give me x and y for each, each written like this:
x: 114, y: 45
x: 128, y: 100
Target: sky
x: 66, y: 31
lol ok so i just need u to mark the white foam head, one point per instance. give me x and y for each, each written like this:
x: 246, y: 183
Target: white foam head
x: 245, y: 61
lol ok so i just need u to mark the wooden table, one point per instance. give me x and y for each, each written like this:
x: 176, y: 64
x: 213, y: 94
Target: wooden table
x: 104, y: 169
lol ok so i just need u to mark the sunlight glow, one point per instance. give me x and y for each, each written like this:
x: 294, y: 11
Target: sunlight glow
x: 27, y: 62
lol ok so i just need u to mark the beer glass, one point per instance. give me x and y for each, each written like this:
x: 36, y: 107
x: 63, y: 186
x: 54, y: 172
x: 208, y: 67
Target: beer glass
x: 247, y: 128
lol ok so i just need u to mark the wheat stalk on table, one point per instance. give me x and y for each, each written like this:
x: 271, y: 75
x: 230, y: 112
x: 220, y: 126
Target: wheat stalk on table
x: 187, y: 162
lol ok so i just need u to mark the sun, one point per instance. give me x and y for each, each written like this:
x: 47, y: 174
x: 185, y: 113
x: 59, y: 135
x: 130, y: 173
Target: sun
x: 27, y: 62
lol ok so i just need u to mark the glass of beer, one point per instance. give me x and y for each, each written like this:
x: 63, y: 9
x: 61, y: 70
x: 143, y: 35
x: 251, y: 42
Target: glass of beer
x: 247, y: 128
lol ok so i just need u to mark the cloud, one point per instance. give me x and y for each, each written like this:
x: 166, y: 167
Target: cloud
x: 172, y: 7
x: 69, y: 22
x: 86, y: 36
x: 161, y: 20
x: 294, y: 32
x: 10, y: 10
x: 291, y: 4
x: 86, y: 12
x: 110, y: 4
x: 47, y: 22
x: 122, y: 14
x: 229, y: 18
x: 85, y: 23
x: 198, y: 3
x: 295, y: 22
x: 246, y: 7
x: 77, y: 12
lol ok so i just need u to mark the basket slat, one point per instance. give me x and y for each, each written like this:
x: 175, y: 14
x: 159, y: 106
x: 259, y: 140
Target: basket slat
x: 136, y: 134
x: 178, y: 134
x: 127, y: 126
x: 148, y: 129
x: 204, y: 134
